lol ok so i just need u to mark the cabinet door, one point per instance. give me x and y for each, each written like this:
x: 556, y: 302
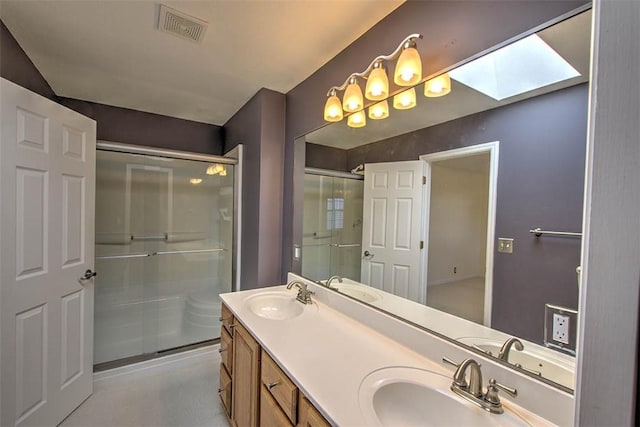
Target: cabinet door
x: 225, y: 390
x: 309, y: 415
x: 226, y: 351
x: 246, y: 378
x: 271, y: 414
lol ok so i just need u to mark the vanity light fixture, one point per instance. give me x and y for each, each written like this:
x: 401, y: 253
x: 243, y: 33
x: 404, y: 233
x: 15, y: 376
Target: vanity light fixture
x: 352, y: 100
x: 217, y: 169
x: 379, y: 111
x: 405, y: 100
x: 438, y: 86
x: 357, y: 119
x: 408, y: 72
x: 378, y: 83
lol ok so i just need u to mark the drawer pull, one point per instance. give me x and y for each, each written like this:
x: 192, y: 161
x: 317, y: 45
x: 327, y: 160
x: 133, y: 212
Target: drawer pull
x: 231, y: 326
x: 273, y: 384
x: 222, y: 350
x: 220, y: 390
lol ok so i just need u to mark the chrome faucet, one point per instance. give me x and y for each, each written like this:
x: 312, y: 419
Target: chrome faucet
x: 304, y: 294
x: 472, y: 390
x: 331, y: 279
x: 503, y: 354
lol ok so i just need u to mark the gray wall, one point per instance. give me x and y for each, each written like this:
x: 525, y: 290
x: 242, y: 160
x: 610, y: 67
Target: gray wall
x: 153, y: 130
x: 259, y: 126
x: 453, y: 31
x: 323, y: 157
x: 540, y: 184
x: 16, y: 66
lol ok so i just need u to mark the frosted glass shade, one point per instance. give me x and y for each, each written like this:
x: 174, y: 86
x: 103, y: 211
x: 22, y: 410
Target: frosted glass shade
x: 379, y: 111
x: 353, y: 100
x: 357, y: 120
x: 408, y: 68
x: 378, y: 85
x: 405, y: 100
x: 438, y: 86
x: 333, y: 109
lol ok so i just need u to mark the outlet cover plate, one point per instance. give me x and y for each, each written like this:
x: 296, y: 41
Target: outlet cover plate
x: 505, y: 245
x: 560, y: 328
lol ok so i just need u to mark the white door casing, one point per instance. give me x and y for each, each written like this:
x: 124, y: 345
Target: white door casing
x: 47, y: 190
x: 392, y: 227
x: 493, y: 149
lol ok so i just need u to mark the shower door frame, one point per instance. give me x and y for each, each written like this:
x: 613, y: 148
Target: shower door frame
x: 233, y: 157
x: 228, y: 159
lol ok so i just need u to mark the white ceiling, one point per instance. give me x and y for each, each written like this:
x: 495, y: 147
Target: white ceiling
x: 110, y: 52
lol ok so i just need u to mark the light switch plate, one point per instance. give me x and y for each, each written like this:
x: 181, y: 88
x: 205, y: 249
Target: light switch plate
x: 505, y: 245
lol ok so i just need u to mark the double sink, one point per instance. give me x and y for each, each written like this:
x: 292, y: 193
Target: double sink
x: 393, y: 396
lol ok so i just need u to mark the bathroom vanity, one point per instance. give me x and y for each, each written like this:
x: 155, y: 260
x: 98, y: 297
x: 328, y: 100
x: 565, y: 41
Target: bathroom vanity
x: 337, y: 361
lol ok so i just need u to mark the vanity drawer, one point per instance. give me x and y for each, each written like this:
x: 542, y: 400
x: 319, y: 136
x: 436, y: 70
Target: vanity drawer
x: 280, y: 387
x: 309, y: 415
x: 270, y: 412
x: 227, y: 319
x: 225, y: 390
x: 226, y: 350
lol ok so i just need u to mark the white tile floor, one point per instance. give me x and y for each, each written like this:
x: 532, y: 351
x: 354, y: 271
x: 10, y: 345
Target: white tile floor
x: 180, y: 390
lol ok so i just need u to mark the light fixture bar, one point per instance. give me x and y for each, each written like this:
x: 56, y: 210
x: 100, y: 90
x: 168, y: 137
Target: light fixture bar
x: 364, y: 74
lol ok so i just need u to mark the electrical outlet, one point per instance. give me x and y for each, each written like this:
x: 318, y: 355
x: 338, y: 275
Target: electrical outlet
x: 560, y: 328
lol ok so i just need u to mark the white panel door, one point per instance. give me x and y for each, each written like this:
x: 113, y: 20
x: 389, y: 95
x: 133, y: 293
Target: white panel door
x: 47, y: 182
x: 392, y: 228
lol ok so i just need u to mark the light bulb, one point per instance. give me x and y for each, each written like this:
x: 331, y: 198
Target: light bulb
x: 438, y: 86
x: 405, y: 100
x: 378, y: 84
x: 409, y: 67
x: 379, y: 111
x: 353, y: 100
x: 333, y: 108
x: 195, y: 180
x: 357, y: 120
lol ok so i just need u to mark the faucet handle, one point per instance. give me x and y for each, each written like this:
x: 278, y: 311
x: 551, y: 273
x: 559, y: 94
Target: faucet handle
x: 492, y: 391
x: 450, y: 362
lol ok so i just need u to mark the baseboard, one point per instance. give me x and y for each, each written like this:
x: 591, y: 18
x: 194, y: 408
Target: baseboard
x: 452, y: 280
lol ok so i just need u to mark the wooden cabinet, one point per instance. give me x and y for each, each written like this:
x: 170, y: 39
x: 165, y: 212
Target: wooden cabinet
x: 226, y: 356
x: 279, y: 388
x: 253, y: 389
x: 308, y: 415
x: 245, y: 382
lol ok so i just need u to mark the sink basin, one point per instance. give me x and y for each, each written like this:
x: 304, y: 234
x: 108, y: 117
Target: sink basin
x: 555, y: 370
x: 275, y: 305
x: 404, y: 396
x: 360, y: 292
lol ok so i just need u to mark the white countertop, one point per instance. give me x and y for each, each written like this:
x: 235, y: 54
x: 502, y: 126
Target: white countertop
x: 328, y: 354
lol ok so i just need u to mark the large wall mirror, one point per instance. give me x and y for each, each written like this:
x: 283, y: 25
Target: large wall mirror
x: 438, y: 227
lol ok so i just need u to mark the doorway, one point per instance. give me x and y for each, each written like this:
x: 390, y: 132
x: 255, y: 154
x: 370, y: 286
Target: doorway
x: 460, y: 218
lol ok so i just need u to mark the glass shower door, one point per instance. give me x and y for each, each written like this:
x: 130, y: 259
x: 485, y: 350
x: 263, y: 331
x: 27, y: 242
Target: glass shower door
x: 332, y: 227
x: 163, y: 250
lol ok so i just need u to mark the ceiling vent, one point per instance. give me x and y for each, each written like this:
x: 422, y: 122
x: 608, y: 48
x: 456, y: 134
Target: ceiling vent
x: 180, y: 24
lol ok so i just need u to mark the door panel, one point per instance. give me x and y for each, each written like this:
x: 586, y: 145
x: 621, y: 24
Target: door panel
x: 47, y: 159
x: 392, y: 228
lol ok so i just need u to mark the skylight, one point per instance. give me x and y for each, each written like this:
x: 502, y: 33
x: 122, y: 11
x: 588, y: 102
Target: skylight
x: 520, y: 67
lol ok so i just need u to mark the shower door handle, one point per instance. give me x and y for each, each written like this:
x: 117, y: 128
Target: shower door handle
x: 87, y: 276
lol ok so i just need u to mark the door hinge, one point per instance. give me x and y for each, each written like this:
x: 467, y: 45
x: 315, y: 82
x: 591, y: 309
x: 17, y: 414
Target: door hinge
x: 424, y: 180
x: 421, y: 244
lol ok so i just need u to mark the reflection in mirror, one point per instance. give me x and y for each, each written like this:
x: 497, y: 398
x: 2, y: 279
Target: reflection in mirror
x: 451, y: 189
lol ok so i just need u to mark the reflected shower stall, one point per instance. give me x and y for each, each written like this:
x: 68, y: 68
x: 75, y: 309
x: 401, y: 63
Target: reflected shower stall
x: 164, y: 239
x: 332, y: 224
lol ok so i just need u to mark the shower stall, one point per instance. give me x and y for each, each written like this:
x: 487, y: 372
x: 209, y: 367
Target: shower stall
x: 332, y: 224
x: 164, y: 250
